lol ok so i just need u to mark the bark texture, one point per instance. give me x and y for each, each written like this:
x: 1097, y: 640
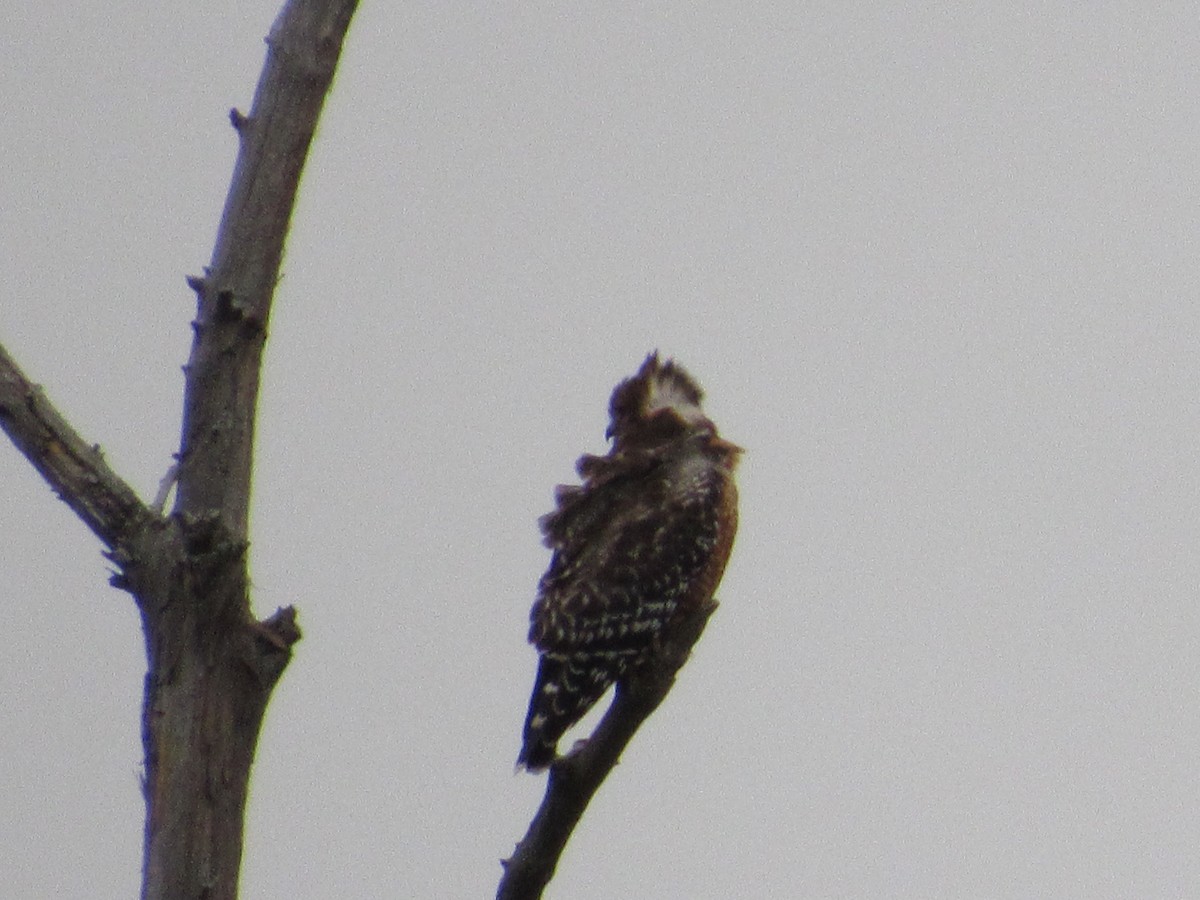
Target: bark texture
x: 211, y: 665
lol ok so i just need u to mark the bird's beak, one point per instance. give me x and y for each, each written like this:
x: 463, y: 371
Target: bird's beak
x: 728, y: 446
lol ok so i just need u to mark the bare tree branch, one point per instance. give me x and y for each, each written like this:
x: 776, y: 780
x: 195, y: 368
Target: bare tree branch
x: 75, y: 469
x: 236, y: 290
x: 575, y: 778
x: 212, y: 667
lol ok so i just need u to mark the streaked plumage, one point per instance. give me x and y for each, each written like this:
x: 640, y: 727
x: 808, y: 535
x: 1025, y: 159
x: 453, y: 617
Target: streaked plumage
x: 645, y: 537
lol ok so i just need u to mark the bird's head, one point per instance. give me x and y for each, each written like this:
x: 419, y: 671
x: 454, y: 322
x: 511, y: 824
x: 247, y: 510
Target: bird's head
x: 661, y: 403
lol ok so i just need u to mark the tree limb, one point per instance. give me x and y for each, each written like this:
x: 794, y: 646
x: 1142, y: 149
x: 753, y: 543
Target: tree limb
x: 75, y: 469
x: 212, y: 667
x: 235, y: 293
x: 575, y: 778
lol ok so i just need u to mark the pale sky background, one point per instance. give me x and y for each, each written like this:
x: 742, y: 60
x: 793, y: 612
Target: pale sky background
x: 936, y: 266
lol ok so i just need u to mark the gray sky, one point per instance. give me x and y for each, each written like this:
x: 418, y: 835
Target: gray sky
x: 936, y: 268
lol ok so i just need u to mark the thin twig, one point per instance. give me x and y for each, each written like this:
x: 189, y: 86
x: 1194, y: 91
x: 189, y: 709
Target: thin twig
x: 164, y: 488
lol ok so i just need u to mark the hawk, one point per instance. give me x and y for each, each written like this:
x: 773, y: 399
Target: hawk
x: 643, y: 540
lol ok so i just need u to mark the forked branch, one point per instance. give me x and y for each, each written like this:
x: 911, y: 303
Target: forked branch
x: 211, y: 665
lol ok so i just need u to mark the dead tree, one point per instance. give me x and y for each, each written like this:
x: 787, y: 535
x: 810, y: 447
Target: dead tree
x: 211, y: 664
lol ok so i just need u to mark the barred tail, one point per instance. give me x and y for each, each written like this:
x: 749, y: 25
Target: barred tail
x: 565, y: 689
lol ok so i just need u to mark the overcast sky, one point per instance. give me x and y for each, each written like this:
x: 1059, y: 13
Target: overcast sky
x: 935, y: 266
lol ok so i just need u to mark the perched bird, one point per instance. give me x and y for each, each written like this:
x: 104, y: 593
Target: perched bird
x: 643, y: 541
